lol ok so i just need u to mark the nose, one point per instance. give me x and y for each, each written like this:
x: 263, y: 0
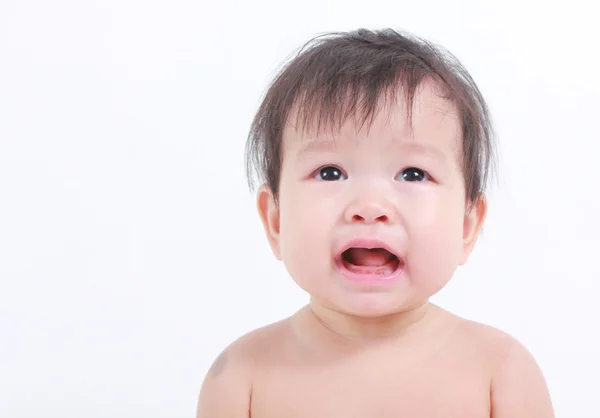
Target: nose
x: 369, y: 210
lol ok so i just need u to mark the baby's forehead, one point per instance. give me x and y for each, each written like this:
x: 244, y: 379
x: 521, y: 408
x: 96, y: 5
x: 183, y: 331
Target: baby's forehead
x: 430, y: 121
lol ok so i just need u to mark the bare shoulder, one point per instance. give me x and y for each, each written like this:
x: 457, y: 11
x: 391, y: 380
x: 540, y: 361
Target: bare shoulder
x: 227, y: 387
x: 517, y: 385
x: 492, y: 342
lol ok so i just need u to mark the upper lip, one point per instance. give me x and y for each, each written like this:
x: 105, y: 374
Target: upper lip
x: 368, y: 243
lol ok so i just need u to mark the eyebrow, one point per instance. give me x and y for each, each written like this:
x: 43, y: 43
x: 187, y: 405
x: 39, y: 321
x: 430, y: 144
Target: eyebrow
x: 316, y: 146
x: 427, y: 151
x: 321, y: 145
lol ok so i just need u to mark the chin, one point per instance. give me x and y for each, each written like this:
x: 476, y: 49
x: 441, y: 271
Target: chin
x: 374, y: 305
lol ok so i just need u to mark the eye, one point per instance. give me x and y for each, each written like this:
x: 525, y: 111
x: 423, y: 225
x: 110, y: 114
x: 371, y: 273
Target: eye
x: 330, y: 173
x: 413, y: 174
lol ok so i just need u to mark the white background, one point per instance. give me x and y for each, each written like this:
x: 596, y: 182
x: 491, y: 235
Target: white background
x: 130, y: 249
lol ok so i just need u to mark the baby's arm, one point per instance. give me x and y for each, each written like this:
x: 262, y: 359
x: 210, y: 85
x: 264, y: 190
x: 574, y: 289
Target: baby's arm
x: 226, y: 388
x: 518, y: 386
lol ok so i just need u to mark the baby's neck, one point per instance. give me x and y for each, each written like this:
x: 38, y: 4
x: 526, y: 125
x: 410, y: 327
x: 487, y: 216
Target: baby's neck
x: 363, y: 330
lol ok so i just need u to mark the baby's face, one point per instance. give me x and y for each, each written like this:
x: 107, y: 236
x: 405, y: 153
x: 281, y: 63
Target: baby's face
x: 374, y: 223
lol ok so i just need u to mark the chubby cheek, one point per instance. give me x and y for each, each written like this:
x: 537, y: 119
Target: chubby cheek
x: 435, y: 245
x: 305, y: 238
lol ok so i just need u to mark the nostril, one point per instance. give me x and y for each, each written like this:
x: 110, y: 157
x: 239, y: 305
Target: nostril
x: 358, y: 218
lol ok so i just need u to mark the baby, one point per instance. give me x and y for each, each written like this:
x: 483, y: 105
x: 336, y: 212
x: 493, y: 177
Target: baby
x: 373, y: 148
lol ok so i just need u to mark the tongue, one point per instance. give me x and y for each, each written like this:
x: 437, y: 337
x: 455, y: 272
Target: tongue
x: 369, y: 257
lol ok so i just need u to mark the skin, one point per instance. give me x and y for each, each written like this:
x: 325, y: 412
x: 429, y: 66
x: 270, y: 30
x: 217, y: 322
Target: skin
x: 359, y: 349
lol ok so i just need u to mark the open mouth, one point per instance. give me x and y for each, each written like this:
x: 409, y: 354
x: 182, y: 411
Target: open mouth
x: 370, y: 261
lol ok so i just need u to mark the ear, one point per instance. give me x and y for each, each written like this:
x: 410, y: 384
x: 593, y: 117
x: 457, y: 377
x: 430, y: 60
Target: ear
x: 473, y: 222
x: 269, y: 215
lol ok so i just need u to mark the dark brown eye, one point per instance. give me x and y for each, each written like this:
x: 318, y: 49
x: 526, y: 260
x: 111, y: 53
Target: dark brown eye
x: 413, y: 174
x: 330, y: 173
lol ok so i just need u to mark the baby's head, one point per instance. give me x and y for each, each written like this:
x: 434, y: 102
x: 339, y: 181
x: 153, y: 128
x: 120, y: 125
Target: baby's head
x: 373, y: 149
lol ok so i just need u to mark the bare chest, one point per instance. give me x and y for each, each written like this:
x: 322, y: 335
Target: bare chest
x: 437, y: 389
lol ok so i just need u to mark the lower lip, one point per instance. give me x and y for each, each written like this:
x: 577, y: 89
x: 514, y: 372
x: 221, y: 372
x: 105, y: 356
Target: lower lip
x: 368, y: 277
